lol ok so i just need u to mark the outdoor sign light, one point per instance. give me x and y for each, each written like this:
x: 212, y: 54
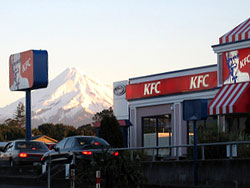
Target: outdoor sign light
x: 28, y: 70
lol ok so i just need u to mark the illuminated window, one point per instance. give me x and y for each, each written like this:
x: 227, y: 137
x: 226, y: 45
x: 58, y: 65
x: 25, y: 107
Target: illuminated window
x: 157, y: 132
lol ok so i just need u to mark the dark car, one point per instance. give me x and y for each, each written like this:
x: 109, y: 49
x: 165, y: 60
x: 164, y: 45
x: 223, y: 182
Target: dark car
x: 83, y: 147
x: 20, y: 152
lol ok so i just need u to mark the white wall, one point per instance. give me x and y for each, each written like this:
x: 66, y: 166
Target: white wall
x: 120, y: 103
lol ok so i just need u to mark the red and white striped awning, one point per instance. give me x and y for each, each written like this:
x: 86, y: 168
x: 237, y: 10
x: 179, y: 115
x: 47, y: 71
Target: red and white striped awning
x: 241, y: 32
x: 232, y: 98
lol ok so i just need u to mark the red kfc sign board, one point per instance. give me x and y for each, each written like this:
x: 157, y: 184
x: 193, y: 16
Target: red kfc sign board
x: 21, y: 70
x: 169, y: 86
x: 28, y: 70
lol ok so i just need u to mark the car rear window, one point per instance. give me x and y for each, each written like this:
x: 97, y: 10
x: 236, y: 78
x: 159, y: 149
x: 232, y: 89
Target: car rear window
x: 93, y: 142
x: 31, y: 146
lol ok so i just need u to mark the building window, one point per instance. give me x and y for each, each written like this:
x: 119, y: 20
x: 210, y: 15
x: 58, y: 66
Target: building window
x: 157, y: 132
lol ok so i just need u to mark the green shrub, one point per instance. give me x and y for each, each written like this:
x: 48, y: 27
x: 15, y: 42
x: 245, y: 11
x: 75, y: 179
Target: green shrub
x: 219, y: 151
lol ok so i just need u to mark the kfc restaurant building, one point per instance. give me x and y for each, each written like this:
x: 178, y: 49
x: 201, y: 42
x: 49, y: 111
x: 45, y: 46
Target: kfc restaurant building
x: 153, y: 104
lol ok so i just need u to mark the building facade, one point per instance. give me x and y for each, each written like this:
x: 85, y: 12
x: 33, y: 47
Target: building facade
x: 153, y: 104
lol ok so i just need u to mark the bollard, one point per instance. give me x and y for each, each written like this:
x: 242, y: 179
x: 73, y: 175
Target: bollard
x: 72, y: 178
x: 98, y: 179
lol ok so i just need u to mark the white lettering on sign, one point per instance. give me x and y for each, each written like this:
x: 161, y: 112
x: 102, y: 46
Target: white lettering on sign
x: 244, y: 61
x: 26, y: 65
x: 198, y: 81
x: 151, y: 88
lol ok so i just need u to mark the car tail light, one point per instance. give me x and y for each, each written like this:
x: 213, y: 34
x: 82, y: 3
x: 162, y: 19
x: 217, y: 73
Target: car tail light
x: 96, y: 143
x: 115, y: 153
x: 33, y: 148
x: 23, y: 155
x: 87, y: 152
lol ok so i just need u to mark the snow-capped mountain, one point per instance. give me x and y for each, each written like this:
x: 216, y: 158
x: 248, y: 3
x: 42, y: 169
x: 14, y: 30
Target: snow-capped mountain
x: 71, y: 98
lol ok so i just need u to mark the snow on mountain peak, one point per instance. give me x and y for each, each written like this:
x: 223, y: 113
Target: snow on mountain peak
x: 70, y: 98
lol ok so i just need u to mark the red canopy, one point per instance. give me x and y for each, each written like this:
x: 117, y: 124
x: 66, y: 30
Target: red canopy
x: 232, y: 98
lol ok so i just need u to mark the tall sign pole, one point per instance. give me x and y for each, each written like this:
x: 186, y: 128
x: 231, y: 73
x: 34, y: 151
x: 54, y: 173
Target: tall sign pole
x: 28, y: 115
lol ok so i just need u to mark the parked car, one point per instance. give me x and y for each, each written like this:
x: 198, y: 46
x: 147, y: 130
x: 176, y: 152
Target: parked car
x: 21, y: 152
x: 2, y: 145
x: 83, y: 147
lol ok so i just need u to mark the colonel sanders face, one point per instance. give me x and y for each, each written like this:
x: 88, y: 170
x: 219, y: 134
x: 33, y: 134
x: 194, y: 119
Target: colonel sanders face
x: 233, y: 64
x: 16, y: 68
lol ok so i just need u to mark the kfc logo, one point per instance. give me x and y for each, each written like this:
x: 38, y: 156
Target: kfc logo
x: 26, y: 65
x: 152, y: 88
x: 199, y: 81
x: 245, y: 61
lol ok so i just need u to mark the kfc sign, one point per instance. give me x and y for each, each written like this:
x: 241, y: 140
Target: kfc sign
x: 199, y: 81
x: 28, y: 70
x: 236, y: 67
x: 151, y: 88
x: 169, y: 86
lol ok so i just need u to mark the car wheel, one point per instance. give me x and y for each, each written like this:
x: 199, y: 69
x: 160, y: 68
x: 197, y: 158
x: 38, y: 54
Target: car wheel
x: 11, y: 163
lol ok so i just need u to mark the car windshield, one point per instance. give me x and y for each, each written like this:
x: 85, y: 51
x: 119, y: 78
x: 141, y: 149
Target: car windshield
x: 30, y: 146
x: 92, y: 142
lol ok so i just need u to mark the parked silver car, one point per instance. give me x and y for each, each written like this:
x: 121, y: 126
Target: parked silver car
x: 20, y: 152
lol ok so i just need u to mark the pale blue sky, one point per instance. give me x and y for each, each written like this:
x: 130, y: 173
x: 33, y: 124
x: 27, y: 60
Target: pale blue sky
x: 114, y: 40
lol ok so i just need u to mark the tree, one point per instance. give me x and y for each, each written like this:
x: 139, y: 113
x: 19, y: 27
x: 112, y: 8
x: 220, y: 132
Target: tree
x: 47, y: 129
x: 19, y: 116
x: 11, y: 122
x: 57, y: 131
x: 70, y: 131
x: 36, y: 132
x: 11, y: 133
x: 16, y: 133
x: 86, y: 130
x: 106, y: 112
x: 1, y: 137
x: 110, y: 130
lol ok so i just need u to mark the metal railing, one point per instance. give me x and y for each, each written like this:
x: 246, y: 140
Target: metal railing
x: 176, y: 148
x: 175, y: 154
